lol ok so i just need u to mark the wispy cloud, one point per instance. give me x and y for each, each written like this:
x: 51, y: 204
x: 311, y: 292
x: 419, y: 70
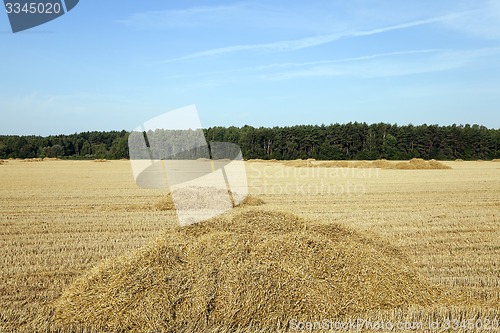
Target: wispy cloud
x: 360, y: 58
x: 297, y: 44
x: 181, y: 18
x: 378, y: 65
x: 484, y: 22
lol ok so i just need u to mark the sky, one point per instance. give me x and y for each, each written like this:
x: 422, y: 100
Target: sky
x: 114, y: 64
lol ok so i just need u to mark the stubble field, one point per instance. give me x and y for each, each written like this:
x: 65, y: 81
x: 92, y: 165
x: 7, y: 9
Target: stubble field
x: 59, y: 219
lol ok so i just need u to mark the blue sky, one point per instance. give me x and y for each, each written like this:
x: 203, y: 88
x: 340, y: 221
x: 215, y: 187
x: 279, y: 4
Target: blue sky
x: 111, y: 65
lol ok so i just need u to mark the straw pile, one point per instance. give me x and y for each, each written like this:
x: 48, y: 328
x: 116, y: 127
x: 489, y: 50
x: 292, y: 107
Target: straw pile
x: 258, y: 160
x: 101, y: 160
x: 250, y: 200
x: 496, y: 160
x: 247, y: 271
x: 413, y: 164
x: 420, y: 164
x: 187, y: 198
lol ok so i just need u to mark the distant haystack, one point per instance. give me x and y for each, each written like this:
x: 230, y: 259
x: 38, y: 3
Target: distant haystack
x: 413, y: 164
x: 250, y: 200
x: 496, y: 160
x: 253, y: 271
x: 101, y: 160
x: 165, y: 203
x: 420, y: 164
x: 188, y: 198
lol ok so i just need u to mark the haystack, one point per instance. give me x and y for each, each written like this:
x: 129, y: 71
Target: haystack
x: 420, y: 164
x: 192, y: 197
x: 413, y: 164
x: 247, y: 271
x: 250, y: 200
x: 37, y: 159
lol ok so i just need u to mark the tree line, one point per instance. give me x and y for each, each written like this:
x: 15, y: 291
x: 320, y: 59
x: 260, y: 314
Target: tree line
x: 358, y: 141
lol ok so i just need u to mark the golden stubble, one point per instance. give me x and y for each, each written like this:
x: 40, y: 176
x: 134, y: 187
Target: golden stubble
x: 59, y: 219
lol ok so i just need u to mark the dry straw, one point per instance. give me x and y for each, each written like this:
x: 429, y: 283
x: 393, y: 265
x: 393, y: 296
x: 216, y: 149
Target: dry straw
x: 246, y: 271
x: 413, y: 164
x: 189, y: 198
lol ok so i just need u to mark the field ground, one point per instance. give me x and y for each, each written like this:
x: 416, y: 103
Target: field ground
x: 58, y: 219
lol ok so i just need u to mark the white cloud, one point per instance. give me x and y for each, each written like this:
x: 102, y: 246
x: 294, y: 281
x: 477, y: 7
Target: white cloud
x: 180, y: 19
x: 297, y: 44
x: 483, y: 22
x: 379, y: 65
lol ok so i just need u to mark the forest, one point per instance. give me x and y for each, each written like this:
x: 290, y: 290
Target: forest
x: 352, y: 141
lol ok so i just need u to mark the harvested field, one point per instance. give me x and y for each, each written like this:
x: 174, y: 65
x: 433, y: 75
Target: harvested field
x: 63, y: 223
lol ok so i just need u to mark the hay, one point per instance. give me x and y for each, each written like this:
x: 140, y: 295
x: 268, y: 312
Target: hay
x: 250, y: 200
x: 413, y: 164
x: 419, y: 164
x: 459, y: 160
x: 101, y: 160
x: 496, y: 160
x: 299, y: 163
x: 189, y: 197
x: 333, y: 164
x: 255, y: 270
x: 29, y: 160
x: 165, y: 203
